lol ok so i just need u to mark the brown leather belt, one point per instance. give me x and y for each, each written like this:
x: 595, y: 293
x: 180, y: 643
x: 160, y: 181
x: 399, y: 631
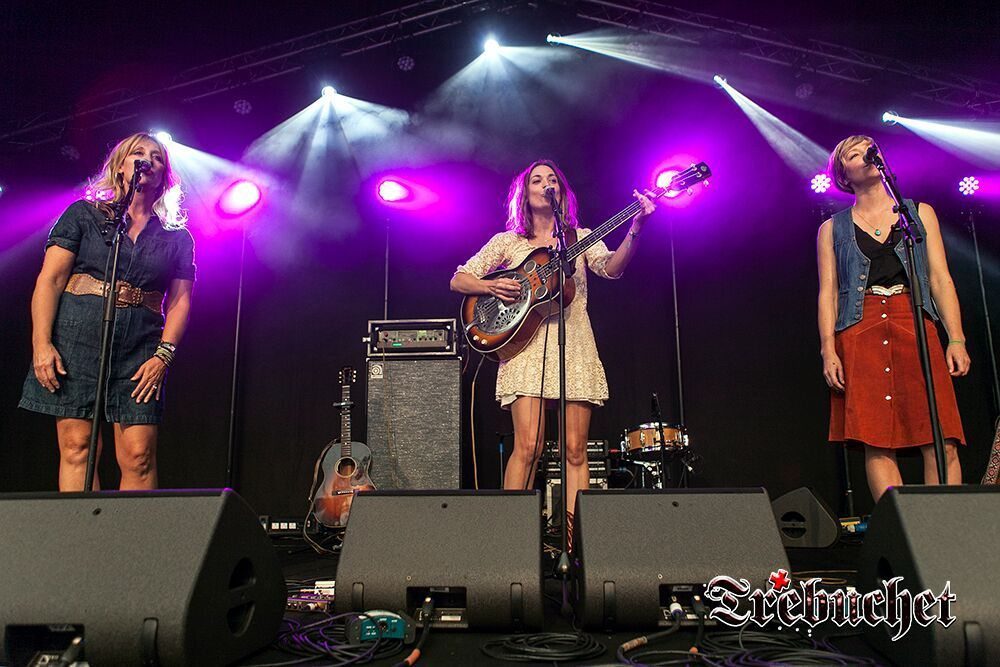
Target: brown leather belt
x: 126, y: 295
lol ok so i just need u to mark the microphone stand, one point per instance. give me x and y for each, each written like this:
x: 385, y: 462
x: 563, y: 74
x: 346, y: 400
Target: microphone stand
x: 665, y: 477
x: 911, y: 236
x: 116, y: 225
x: 565, y: 271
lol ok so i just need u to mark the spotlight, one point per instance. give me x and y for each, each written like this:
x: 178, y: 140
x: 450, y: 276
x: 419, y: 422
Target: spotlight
x: 242, y: 107
x: 491, y: 45
x: 329, y: 92
x: 163, y: 137
x: 820, y: 183
x: 239, y: 198
x: 406, y: 63
x: 1, y: 190
x: 553, y: 38
x: 968, y: 185
x: 804, y: 91
x: 663, y: 181
x: 890, y: 118
x: 719, y: 79
x: 392, y: 191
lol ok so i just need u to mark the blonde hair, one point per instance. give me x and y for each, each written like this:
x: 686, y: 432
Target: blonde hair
x: 108, y: 185
x: 836, y: 167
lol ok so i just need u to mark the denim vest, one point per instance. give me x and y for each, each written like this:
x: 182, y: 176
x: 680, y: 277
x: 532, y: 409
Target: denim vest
x: 852, y: 268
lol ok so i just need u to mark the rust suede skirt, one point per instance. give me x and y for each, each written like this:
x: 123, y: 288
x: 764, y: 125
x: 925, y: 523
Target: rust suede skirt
x: 884, y: 403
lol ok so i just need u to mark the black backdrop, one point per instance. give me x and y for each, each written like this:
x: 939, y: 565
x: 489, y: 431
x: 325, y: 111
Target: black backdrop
x: 756, y: 403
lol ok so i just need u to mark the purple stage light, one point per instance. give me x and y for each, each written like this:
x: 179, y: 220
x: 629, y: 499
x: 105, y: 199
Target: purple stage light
x: 239, y: 198
x: 663, y: 180
x: 820, y: 183
x: 391, y: 190
x: 968, y: 185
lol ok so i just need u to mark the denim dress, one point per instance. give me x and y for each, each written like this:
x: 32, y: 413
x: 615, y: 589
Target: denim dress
x: 157, y: 257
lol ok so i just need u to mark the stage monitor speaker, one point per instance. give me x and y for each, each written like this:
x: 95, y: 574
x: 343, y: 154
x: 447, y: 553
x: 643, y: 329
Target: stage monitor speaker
x: 804, y: 520
x: 478, y: 554
x: 415, y: 422
x: 636, y: 549
x: 147, y: 578
x: 932, y: 535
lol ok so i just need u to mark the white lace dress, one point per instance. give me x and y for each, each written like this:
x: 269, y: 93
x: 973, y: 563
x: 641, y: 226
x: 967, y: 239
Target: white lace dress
x: 522, y: 375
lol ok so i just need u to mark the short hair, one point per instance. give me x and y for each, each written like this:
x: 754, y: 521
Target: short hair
x: 836, y: 166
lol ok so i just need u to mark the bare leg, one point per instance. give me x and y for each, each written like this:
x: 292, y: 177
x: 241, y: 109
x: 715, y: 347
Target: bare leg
x: 529, y: 439
x: 74, y: 443
x: 953, y: 467
x: 882, y: 469
x: 135, y: 446
x: 577, y: 469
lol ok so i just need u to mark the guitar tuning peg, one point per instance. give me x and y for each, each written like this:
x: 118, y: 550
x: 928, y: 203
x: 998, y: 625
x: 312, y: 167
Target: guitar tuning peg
x: 706, y: 183
x: 690, y: 192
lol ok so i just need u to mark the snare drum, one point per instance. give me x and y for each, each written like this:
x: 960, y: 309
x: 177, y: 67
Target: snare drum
x: 644, y: 439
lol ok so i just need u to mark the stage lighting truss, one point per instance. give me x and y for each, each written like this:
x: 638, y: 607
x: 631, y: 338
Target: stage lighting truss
x: 823, y: 58
x: 415, y: 18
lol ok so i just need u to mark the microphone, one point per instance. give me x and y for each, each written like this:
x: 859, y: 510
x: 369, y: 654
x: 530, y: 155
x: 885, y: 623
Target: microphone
x: 142, y: 166
x: 550, y: 194
x: 655, y: 406
x: 871, y: 155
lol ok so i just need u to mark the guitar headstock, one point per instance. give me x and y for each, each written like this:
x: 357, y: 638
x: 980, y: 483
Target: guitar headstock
x: 347, y: 375
x: 685, y: 180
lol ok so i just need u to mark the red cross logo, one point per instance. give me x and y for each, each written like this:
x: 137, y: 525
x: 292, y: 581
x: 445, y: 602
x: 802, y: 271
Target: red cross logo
x: 780, y: 580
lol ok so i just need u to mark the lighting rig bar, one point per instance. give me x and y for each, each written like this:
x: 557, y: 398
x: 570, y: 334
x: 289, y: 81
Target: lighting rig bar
x: 274, y: 60
x: 824, y: 58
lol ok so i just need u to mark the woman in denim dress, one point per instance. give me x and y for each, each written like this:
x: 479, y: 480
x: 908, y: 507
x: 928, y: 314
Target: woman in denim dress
x: 155, y: 279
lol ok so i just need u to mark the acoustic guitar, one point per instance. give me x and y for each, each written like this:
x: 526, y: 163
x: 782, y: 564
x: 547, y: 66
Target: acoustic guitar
x: 345, y: 465
x: 502, y: 330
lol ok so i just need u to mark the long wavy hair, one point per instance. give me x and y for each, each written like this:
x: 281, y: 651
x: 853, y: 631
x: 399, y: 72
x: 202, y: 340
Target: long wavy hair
x: 108, y: 185
x: 519, y: 217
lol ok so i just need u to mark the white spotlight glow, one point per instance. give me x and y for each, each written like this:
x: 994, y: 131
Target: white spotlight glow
x: 968, y: 185
x: 719, y: 79
x: 163, y: 137
x: 890, y: 118
x: 491, y: 45
x: 553, y: 38
x: 329, y: 92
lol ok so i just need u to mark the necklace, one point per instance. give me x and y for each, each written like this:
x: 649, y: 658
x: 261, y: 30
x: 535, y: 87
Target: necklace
x: 878, y: 232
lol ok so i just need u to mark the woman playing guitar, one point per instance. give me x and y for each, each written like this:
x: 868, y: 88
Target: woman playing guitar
x: 519, y: 379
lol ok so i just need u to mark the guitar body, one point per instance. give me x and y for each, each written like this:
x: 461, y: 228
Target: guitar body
x: 501, y: 330
x: 345, y: 471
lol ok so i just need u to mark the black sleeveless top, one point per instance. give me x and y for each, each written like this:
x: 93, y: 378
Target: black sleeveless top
x: 886, y: 269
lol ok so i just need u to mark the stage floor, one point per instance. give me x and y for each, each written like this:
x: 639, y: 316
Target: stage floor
x: 457, y: 647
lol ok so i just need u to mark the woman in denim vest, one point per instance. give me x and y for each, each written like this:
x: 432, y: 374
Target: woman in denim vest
x: 866, y: 328
x: 155, y: 278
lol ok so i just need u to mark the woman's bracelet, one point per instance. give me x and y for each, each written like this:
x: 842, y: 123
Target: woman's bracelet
x: 956, y: 342
x: 165, y: 352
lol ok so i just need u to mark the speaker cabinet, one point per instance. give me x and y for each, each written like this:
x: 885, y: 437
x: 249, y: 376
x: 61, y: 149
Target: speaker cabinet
x: 478, y: 554
x: 804, y: 520
x: 415, y: 423
x: 637, y: 548
x: 931, y: 535
x: 167, y: 578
